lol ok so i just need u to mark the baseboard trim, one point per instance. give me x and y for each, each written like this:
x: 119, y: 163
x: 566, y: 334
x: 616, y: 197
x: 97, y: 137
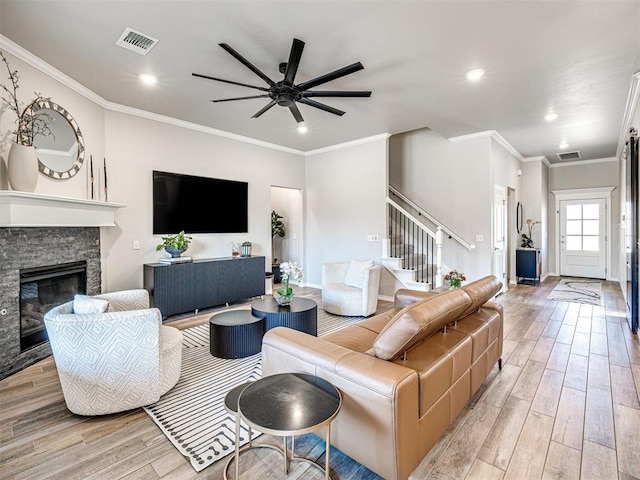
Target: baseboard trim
x: 386, y: 298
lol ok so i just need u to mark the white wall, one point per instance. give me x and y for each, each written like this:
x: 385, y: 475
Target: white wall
x: 137, y: 146
x: 534, y: 198
x: 504, y: 172
x: 133, y: 147
x: 586, y: 175
x: 345, y: 202
x: 453, y: 182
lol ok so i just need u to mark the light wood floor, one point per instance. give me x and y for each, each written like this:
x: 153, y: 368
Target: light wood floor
x: 565, y: 405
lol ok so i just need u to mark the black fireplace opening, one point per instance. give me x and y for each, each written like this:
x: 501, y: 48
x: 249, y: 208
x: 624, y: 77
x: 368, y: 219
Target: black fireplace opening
x: 43, y: 288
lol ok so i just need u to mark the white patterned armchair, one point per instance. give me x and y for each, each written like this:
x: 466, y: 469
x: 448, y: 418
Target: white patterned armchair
x: 115, y: 354
x: 350, y: 288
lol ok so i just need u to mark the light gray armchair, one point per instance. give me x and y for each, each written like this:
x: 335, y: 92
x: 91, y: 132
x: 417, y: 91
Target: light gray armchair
x: 350, y: 288
x: 114, y: 356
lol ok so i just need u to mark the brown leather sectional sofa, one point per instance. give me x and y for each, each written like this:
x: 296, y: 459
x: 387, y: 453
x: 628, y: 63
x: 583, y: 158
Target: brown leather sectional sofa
x: 404, y: 374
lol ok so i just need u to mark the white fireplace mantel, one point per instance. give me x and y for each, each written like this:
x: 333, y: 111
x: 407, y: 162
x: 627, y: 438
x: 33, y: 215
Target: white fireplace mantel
x: 21, y: 209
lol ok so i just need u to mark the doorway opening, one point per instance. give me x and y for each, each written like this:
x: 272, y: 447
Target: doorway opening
x: 287, y: 204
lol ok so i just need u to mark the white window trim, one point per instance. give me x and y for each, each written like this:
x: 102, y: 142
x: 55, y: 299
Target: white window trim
x: 600, y: 193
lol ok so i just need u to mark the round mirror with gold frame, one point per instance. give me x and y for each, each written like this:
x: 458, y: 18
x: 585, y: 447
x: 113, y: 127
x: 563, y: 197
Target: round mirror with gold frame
x: 58, y: 142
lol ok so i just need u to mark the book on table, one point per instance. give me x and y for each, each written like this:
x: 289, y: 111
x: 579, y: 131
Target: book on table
x: 172, y: 260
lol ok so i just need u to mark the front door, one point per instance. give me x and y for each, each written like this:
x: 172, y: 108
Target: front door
x: 582, y: 238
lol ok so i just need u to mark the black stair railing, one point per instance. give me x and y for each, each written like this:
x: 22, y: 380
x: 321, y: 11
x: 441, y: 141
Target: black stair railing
x: 419, y: 247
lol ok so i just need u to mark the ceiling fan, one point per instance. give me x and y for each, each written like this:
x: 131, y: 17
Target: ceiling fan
x: 285, y: 92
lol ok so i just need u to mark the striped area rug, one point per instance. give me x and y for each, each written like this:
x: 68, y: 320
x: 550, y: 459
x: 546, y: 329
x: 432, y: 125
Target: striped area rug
x: 192, y: 414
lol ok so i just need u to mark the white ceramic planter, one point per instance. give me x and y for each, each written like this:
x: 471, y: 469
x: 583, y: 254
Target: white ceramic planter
x: 22, y: 167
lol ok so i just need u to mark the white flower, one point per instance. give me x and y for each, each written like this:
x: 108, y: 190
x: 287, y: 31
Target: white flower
x: 291, y: 270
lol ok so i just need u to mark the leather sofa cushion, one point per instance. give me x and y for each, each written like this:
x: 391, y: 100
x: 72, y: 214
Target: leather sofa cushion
x: 480, y: 292
x: 354, y: 338
x: 416, y: 322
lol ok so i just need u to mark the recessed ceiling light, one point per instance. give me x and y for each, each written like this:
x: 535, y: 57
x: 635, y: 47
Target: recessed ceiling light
x: 474, y: 75
x: 148, y: 79
x: 302, y: 127
x: 550, y: 117
x: 563, y: 145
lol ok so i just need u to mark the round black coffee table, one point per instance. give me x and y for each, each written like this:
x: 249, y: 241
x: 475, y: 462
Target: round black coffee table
x: 301, y: 314
x: 235, y: 334
x: 285, y: 405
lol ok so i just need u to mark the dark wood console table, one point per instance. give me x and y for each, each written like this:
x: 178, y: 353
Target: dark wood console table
x: 187, y: 287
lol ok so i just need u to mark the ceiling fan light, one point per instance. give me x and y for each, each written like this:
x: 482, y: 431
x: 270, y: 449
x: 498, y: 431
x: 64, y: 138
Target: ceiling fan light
x: 550, y: 117
x: 148, y: 79
x: 475, y: 74
x: 302, y: 127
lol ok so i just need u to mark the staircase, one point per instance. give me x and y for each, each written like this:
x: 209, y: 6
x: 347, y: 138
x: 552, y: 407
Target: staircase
x: 413, y: 254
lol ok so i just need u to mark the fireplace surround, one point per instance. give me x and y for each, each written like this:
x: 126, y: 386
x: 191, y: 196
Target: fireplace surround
x: 26, y: 248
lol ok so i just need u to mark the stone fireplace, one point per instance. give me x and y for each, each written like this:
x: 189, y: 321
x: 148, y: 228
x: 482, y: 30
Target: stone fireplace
x: 41, y: 289
x: 28, y: 253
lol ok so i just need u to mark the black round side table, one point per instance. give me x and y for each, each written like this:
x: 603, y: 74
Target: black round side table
x: 235, y: 334
x: 285, y: 405
x: 301, y: 314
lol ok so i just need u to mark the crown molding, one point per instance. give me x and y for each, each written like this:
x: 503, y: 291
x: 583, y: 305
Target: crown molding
x: 583, y: 162
x: 489, y: 134
x: 540, y: 158
x: 352, y: 143
x: 629, y: 111
x: 117, y: 107
x: 39, y: 64
x: 49, y: 70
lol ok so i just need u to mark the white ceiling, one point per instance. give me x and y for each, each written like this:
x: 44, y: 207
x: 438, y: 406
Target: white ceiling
x: 572, y: 57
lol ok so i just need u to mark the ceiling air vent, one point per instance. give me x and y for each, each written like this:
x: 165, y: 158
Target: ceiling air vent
x: 565, y: 156
x: 136, y: 41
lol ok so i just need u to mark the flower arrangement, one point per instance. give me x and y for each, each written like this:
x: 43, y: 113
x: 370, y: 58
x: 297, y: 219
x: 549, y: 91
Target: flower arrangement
x: 290, y: 270
x: 455, y: 278
x: 29, y: 122
x: 527, y: 240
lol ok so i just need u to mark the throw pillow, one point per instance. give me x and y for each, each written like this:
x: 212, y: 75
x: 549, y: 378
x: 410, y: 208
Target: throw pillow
x: 86, y: 305
x: 355, y: 272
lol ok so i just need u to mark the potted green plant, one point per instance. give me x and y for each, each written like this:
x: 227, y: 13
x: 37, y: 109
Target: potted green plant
x: 22, y: 161
x: 278, y: 230
x: 175, y: 245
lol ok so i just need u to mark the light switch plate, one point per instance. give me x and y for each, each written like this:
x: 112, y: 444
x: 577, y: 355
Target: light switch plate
x: 479, y: 238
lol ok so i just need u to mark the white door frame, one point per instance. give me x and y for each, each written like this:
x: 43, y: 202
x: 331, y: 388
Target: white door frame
x: 501, y: 190
x: 604, y: 193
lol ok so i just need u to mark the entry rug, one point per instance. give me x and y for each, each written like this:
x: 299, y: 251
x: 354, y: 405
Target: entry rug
x: 192, y: 414
x: 578, y: 291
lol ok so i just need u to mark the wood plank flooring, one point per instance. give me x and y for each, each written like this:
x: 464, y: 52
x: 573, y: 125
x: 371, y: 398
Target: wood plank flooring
x: 565, y: 405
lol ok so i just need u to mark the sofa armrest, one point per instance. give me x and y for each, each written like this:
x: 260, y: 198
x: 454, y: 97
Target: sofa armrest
x: 405, y: 297
x: 334, y: 272
x: 378, y: 423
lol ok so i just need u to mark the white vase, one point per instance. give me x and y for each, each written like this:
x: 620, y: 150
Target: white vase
x: 22, y: 167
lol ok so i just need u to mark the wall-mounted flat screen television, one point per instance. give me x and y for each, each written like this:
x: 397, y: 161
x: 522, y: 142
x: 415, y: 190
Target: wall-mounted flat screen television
x: 198, y: 204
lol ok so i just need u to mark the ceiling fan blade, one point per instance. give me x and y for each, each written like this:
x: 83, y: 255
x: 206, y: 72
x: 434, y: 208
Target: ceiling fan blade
x: 296, y: 113
x: 321, y: 106
x: 343, y: 93
x: 229, y: 81
x: 294, y: 61
x: 264, y: 109
x: 246, y: 63
x: 239, y: 98
x: 341, y: 72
